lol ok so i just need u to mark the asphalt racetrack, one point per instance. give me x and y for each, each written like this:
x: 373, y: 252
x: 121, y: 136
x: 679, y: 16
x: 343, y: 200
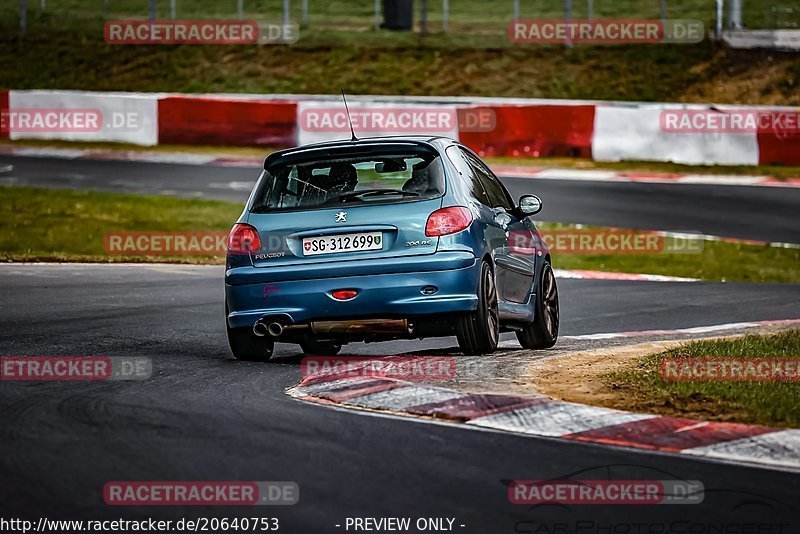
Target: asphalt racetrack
x: 759, y: 213
x: 204, y: 416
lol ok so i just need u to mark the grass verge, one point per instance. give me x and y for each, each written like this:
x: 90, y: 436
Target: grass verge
x: 641, y: 389
x: 715, y: 261
x: 65, y: 225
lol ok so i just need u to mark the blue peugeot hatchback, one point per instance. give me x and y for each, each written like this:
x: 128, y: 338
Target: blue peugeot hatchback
x: 385, y: 238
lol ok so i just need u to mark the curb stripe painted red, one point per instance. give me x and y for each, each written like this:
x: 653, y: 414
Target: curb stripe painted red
x: 468, y: 407
x: 538, y: 415
x: 669, y: 434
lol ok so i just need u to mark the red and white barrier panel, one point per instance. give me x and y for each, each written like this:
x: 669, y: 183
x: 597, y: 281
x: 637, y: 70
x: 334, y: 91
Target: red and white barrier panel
x: 83, y: 116
x: 533, y: 131
x: 691, y: 134
x: 697, y: 134
x: 189, y: 120
x: 3, y: 112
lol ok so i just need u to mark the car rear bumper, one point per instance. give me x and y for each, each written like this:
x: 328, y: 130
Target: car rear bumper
x: 285, y: 296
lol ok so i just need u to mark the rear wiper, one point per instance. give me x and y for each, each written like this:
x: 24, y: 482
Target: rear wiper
x: 344, y: 197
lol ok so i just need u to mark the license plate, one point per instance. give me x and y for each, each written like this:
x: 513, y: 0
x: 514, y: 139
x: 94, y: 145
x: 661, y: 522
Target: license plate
x: 331, y: 244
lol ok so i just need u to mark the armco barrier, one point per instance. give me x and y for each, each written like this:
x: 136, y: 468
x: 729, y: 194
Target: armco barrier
x: 604, y: 131
x: 634, y: 133
x: 124, y: 117
x: 3, y: 111
x: 781, y: 148
x: 535, y: 131
x: 232, y: 122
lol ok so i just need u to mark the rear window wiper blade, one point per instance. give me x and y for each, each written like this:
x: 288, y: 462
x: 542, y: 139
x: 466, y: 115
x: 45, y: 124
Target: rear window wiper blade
x: 344, y: 197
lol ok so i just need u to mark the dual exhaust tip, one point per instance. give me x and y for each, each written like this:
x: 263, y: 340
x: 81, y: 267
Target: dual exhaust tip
x: 270, y: 327
x: 263, y: 329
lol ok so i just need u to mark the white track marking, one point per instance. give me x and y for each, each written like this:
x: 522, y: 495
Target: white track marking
x: 401, y: 398
x: 777, y: 448
x: 557, y: 419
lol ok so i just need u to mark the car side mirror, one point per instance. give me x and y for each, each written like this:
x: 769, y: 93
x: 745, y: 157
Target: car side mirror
x: 530, y: 204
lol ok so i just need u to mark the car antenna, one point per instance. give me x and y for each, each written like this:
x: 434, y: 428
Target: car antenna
x: 349, y: 120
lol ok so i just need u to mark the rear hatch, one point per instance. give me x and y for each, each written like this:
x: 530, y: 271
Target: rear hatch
x: 344, y: 233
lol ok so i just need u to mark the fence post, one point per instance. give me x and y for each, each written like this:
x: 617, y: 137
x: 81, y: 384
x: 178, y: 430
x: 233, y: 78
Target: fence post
x: 377, y: 14
x: 286, y: 12
x: 446, y: 13
x: 423, y: 18
x: 567, y: 19
x: 305, y: 13
x: 663, y: 9
x: 719, y: 20
x: 735, y: 15
x: 23, y: 16
x: 516, y: 10
x: 153, y: 10
x: 43, y: 4
x: 173, y: 9
x: 590, y: 9
x: 240, y: 9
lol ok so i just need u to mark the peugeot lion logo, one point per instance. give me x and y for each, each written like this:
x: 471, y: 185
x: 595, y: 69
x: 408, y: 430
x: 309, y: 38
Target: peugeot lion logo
x: 341, y: 216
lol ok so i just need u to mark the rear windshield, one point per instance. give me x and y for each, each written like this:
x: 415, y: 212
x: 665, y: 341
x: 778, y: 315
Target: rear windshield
x: 384, y: 178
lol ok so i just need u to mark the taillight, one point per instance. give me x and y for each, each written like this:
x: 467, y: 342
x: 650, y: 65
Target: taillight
x: 448, y: 221
x: 243, y: 239
x: 344, y: 294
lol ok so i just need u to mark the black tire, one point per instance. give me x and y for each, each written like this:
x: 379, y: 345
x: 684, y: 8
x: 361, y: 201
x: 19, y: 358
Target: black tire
x: 478, y: 332
x: 319, y: 348
x: 247, y: 346
x: 542, y: 333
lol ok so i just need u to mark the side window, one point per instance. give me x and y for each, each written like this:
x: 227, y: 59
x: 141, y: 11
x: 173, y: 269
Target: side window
x: 497, y: 195
x: 455, y: 155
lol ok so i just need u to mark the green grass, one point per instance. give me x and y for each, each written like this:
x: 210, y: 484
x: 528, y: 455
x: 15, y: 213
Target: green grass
x: 66, y: 225
x: 718, y: 261
x: 70, y: 54
x: 768, y: 403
